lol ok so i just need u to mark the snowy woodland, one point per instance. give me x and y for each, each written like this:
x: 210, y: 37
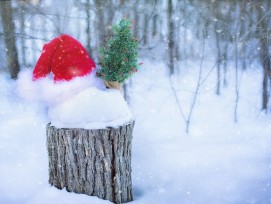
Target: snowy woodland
x: 201, y: 100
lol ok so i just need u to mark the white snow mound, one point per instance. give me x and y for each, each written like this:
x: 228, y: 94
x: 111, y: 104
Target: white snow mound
x: 83, y: 102
x: 91, y: 109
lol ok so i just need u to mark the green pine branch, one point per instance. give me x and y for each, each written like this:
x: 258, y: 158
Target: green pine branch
x: 118, y: 59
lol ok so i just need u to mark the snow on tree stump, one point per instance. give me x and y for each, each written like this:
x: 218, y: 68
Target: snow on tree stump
x: 92, y: 162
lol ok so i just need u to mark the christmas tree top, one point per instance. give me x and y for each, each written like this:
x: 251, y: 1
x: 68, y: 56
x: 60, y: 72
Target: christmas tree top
x: 118, y: 59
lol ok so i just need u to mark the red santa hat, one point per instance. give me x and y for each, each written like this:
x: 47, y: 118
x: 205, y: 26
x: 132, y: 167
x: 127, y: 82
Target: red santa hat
x: 65, y: 57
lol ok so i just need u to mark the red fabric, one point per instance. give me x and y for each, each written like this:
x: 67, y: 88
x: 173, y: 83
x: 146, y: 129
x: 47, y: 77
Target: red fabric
x: 65, y: 57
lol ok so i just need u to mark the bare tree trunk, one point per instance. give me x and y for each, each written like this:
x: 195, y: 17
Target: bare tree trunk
x: 88, y: 31
x: 236, y: 80
x: 22, y: 32
x: 9, y: 38
x: 185, y: 53
x: 100, y: 23
x: 227, y: 39
x: 125, y: 91
x: 170, y: 38
x: 237, y: 41
x: 111, y: 13
x: 215, y: 8
x: 145, y: 28
x: 154, y: 21
x: 224, y: 62
x: 177, y: 39
x: 92, y: 162
x: 136, y: 19
x: 265, y: 57
x: 243, y: 29
x: 218, y: 61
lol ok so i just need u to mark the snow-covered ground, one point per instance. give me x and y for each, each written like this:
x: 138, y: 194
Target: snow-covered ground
x: 218, y: 162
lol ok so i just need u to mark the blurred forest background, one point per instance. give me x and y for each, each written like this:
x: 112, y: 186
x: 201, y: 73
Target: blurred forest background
x: 170, y: 31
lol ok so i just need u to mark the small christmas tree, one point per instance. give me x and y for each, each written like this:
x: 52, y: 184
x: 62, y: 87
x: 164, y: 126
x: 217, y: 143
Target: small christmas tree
x: 118, y: 59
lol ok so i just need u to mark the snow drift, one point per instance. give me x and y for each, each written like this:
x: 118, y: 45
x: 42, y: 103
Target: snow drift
x: 83, y: 102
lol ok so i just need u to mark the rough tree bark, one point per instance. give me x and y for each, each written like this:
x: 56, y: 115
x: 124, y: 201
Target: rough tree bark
x: 9, y: 37
x: 92, y: 162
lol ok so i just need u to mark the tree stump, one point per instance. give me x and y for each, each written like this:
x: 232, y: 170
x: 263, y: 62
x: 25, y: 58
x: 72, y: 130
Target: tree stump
x: 92, y: 162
